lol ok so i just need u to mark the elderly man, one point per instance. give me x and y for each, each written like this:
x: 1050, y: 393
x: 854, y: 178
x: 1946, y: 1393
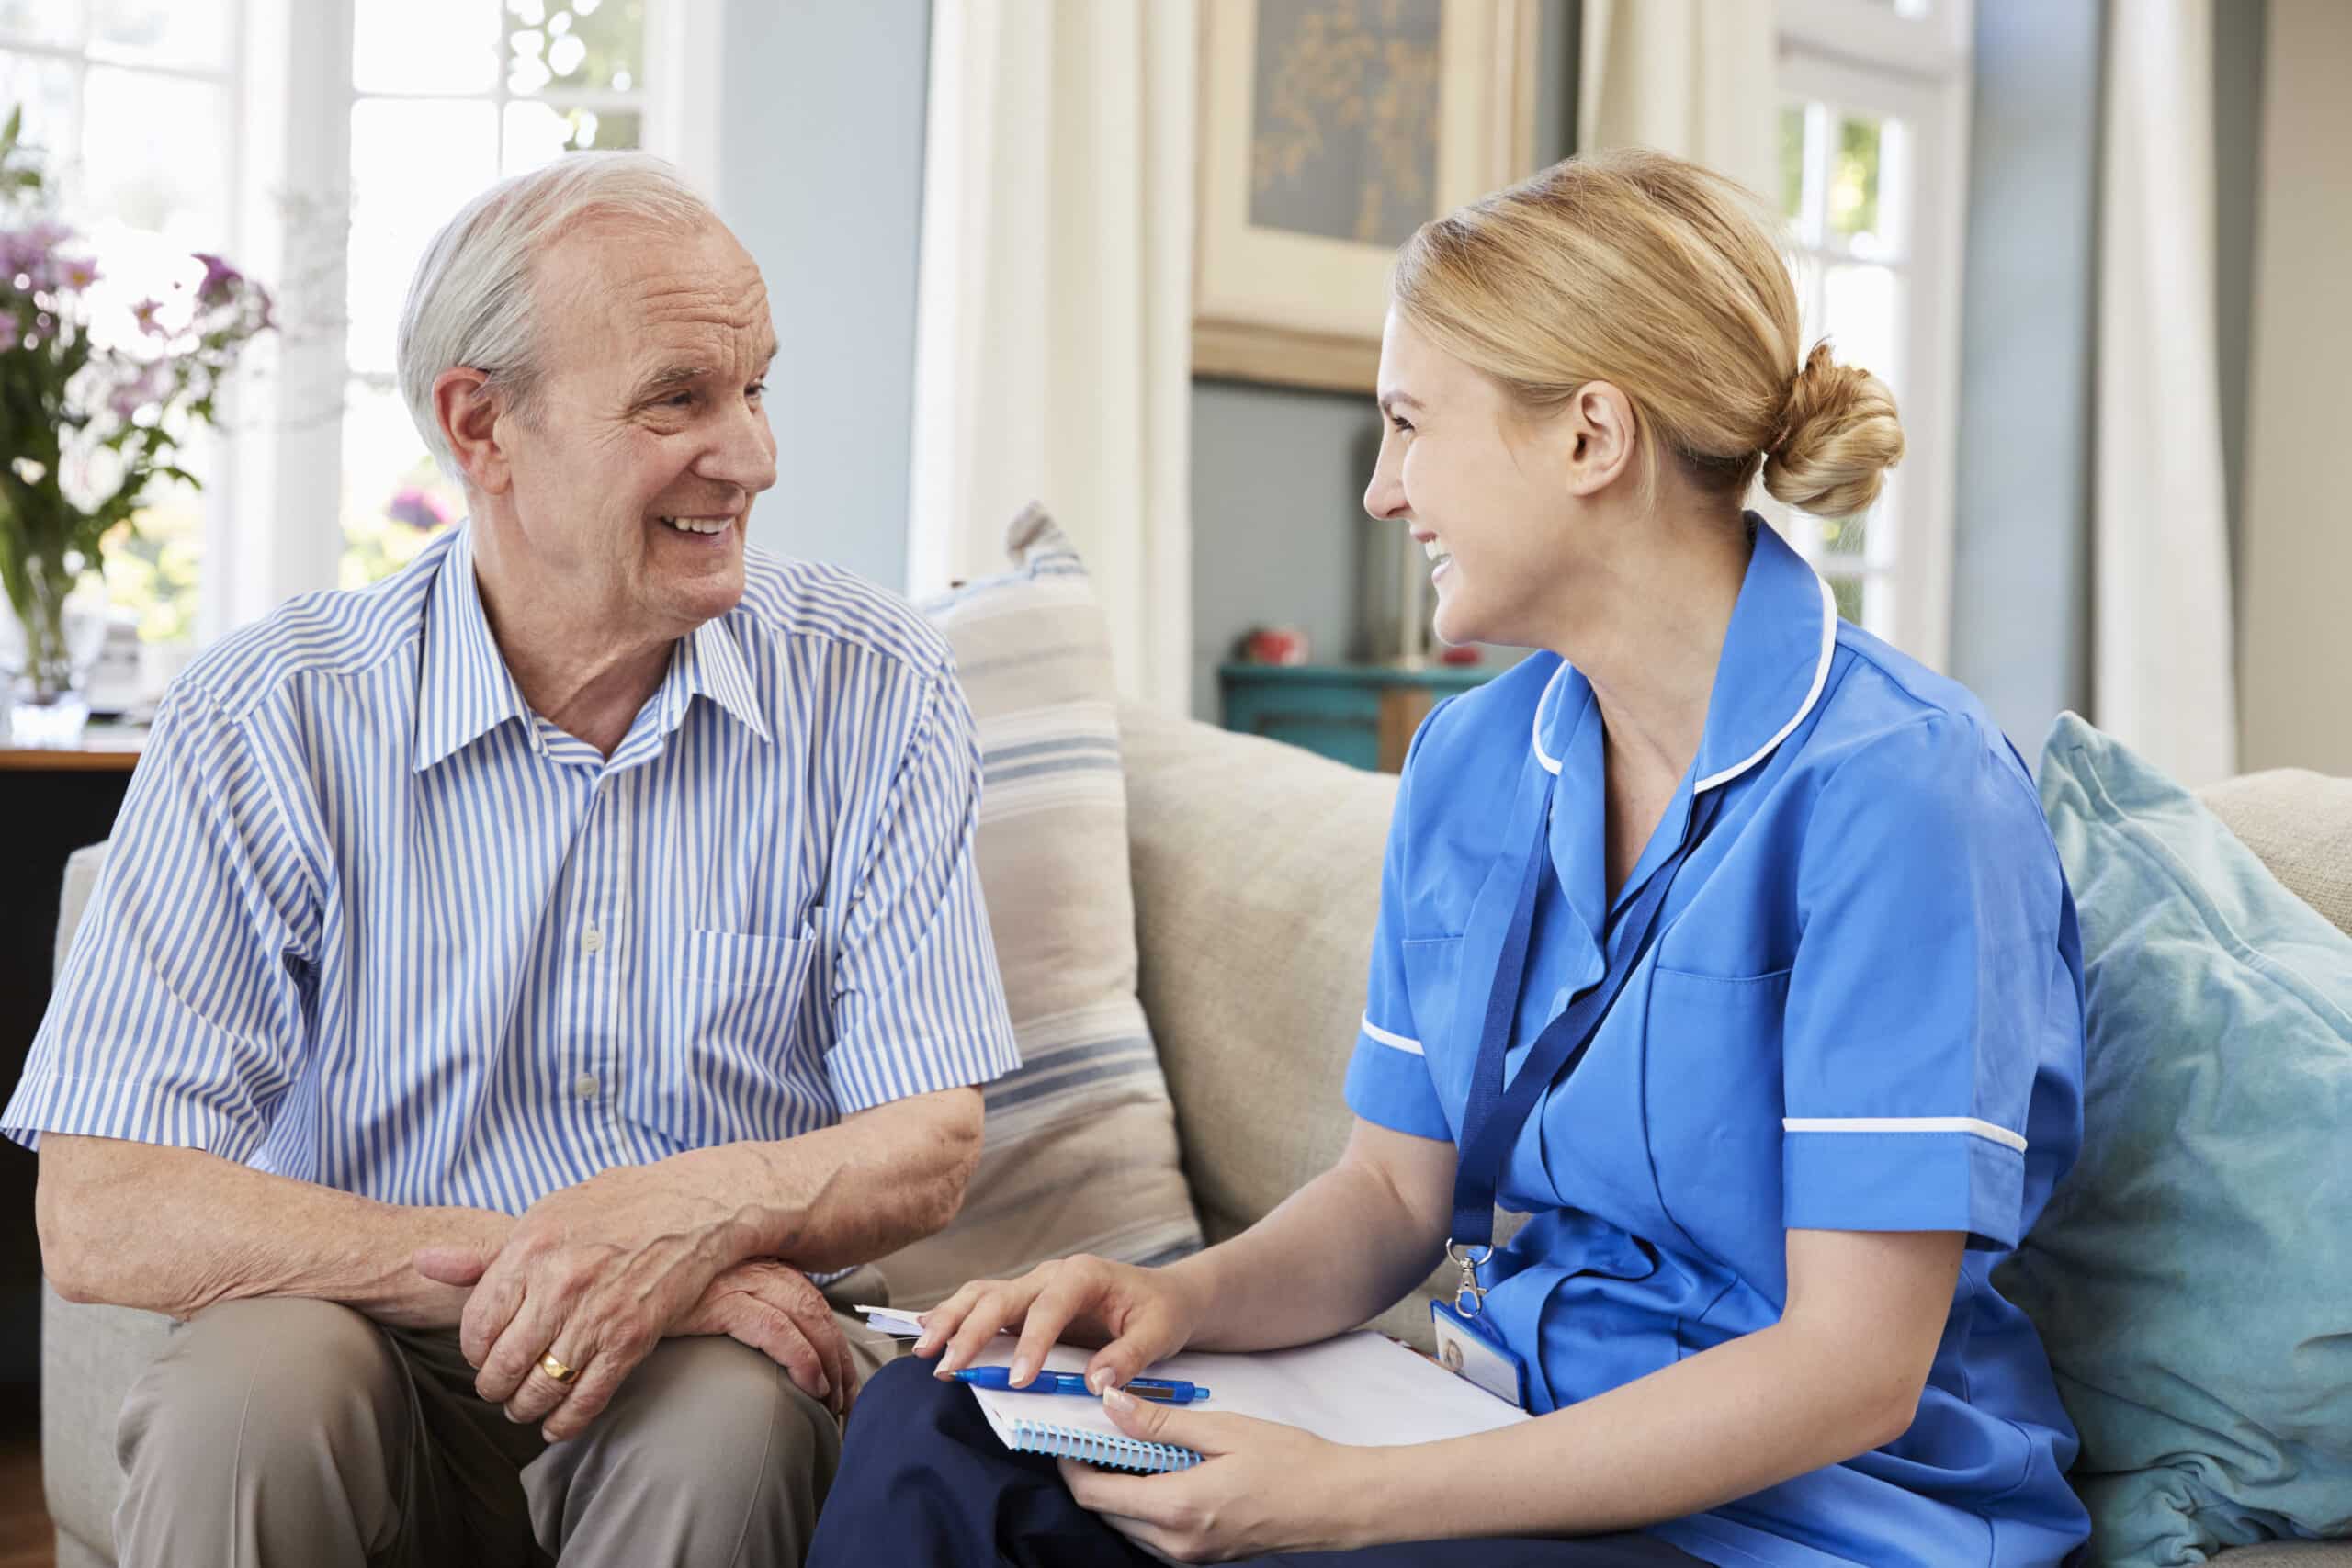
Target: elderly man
x: 512, y: 985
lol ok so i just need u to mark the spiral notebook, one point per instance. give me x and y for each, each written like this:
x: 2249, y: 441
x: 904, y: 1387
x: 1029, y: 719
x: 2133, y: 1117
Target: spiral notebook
x: 1361, y: 1388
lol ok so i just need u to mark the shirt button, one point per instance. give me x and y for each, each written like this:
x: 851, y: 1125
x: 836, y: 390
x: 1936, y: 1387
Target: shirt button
x: 592, y: 940
x: 585, y: 1086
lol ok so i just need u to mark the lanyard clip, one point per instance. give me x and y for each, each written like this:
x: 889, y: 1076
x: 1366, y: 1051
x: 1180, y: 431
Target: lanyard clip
x: 1469, y: 1296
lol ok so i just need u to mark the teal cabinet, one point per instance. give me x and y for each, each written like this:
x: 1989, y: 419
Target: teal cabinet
x: 1362, y: 715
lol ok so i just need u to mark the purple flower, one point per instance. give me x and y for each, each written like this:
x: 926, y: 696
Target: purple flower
x: 220, y: 278
x: 79, y: 273
x: 416, y: 508
x: 26, y: 253
x: 141, y: 390
x: 144, y: 314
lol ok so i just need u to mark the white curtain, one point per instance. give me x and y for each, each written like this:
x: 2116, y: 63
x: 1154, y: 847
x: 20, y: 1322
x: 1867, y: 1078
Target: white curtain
x: 1689, y: 77
x: 2162, y: 667
x: 1054, y: 333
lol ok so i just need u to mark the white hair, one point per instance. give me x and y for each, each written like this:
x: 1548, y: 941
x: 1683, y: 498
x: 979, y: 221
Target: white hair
x: 471, y: 302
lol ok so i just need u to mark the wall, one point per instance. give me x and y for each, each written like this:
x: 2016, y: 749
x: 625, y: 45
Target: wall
x: 2295, y: 638
x: 820, y: 176
x: 2020, y: 550
x: 1279, y: 531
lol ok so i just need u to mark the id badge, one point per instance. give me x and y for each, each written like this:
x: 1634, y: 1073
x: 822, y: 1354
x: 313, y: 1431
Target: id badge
x: 1468, y: 1350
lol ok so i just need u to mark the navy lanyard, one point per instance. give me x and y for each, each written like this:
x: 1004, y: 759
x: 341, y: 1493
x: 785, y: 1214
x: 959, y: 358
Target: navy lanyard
x: 1494, y: 1114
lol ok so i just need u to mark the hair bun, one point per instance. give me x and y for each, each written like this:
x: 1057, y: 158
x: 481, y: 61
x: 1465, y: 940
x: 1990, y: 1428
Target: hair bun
x: 1836, y: 440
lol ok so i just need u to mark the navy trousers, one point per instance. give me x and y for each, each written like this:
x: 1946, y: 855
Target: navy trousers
x: 924, y: 1483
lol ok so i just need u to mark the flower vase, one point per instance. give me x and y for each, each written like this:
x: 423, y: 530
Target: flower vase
x: 47, y: 707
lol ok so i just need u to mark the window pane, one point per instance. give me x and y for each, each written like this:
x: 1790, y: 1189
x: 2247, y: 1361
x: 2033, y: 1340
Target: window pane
x: 413, y: 165
x: 155, y: 156
x: 394, y: 499
x: 424, y: 46
x: 167, y: 32
x: 1854, y: 185
x: 45, y: 88
x: 1845, y: 536
x: 1793, y: 161
x: 597, y: 45
x: 538, y: 134
x: 1849, y: 593
x: 152, y: 562
x: 1861, y: 310
x: 41, y: 21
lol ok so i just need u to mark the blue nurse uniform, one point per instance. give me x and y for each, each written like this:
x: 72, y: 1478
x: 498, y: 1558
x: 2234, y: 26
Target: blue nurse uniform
x: 1863, y: 1011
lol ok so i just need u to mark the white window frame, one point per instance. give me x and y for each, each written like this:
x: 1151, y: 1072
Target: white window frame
x: 1910, y: 61
x: 283, y: 535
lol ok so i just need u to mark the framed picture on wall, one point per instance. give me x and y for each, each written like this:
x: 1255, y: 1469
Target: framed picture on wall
x: 1330, y: 130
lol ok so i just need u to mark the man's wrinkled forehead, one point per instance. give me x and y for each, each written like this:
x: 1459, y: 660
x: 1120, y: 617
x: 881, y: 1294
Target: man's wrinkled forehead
x: 636, y: 300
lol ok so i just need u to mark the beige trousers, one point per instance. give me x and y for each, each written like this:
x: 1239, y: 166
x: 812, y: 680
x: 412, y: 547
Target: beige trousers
x: 285, y: 1433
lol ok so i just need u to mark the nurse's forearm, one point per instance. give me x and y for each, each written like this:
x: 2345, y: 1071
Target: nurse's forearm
x: 1730, y: 1421
x: 1342, y: 1248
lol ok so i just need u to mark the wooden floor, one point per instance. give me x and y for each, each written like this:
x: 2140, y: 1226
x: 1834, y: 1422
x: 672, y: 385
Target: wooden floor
x: 26, y: 1539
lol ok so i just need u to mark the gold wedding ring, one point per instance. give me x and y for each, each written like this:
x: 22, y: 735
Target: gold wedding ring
x: 557, y: 1370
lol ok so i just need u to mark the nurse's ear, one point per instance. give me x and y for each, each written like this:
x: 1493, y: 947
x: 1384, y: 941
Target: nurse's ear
x: 1593, y: 435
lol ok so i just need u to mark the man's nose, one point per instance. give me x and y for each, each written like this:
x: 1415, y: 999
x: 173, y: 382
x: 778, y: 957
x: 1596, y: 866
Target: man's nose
x: 744, y: 454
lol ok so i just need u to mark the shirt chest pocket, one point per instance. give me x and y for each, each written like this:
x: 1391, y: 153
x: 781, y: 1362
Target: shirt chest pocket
x: 742, y: 1000
x: 1712, y: 1096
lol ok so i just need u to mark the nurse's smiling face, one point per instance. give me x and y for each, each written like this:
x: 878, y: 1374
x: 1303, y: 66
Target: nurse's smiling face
x: 1499, y: 496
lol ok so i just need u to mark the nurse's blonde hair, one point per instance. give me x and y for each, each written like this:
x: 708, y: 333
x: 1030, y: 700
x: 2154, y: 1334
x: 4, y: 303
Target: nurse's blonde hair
x: 1661, y: 278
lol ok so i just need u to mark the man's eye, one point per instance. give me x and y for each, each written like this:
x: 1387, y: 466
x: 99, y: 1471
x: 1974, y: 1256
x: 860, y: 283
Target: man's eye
x: 757, y: 389
x: 679, y: 401
x: 1402, y: 423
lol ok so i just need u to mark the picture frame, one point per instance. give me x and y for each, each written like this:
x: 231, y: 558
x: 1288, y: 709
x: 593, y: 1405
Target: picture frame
x: 1330, y: 130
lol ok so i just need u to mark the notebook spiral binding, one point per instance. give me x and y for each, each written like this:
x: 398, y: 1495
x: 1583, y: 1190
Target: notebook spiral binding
x: 1115, y: 1453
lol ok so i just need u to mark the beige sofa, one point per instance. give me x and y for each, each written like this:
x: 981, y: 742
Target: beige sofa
x: 1257, y: 870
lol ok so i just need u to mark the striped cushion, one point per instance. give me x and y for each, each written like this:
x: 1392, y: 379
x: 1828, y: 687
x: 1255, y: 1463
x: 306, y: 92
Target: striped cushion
x: 1081, y: 1153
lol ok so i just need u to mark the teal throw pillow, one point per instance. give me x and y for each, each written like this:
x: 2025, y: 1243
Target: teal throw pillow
x: 2192, y: 1275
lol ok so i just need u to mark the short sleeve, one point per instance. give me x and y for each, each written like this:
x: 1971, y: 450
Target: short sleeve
x: 1388, y: 1077
x: 1928, y: 989
x: 181, y: 1017
x: 918, y: 1005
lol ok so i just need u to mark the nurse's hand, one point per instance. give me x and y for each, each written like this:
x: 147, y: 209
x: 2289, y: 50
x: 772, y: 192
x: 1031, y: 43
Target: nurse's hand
x: 1263, y: 1487
x: 1136, y: 1315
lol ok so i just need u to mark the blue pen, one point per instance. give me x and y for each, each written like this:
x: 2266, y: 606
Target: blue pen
x: 1160, y: 1389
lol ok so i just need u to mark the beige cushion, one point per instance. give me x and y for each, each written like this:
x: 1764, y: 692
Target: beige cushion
x: 1257, y: 875
x: 1082, y: 1151
x: 2299, y: 823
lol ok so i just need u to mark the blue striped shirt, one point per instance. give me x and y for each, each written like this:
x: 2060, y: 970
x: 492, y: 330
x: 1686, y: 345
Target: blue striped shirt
x: 369, y: 921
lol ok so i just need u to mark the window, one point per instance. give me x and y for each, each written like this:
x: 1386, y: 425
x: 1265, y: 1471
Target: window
x: 1873, y: 147
x: 132, y: 104
x: 448, y: 95
x: 320, y: 144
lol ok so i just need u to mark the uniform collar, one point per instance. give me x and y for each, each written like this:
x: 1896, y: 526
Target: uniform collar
x: 1774, y: 663
x: 465, y: 691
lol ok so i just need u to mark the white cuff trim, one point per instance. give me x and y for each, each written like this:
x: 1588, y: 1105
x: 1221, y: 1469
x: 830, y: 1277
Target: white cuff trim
x: 1393, y: 1041
x: 2001, y: 1135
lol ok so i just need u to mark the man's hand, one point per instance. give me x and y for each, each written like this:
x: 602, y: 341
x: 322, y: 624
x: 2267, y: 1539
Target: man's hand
x: 776, y: 1310
x: 594, y: 1275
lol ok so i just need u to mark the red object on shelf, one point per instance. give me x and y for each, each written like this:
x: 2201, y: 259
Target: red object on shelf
x: 1467, y: 653
x: 1275, y: 645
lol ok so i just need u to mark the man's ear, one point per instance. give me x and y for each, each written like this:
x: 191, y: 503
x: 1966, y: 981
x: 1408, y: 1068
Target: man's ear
x: 468, y: 410
x: 1598, y: 433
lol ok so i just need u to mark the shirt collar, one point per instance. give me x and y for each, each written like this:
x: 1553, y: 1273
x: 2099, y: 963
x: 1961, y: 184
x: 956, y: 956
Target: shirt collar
x: 1774, y: 664
x: 465, y: 691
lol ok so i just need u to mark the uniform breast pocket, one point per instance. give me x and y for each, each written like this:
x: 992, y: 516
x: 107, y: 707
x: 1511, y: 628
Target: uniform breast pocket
x: 743, y: 997
x: 1432, y: 966
x: 1712, y: 1093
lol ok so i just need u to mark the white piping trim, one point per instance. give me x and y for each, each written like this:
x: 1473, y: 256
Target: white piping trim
x: 1820, y: 679
x: 1394, y: 1042
x: 1535, y: 729
x: 2001, y: 1135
